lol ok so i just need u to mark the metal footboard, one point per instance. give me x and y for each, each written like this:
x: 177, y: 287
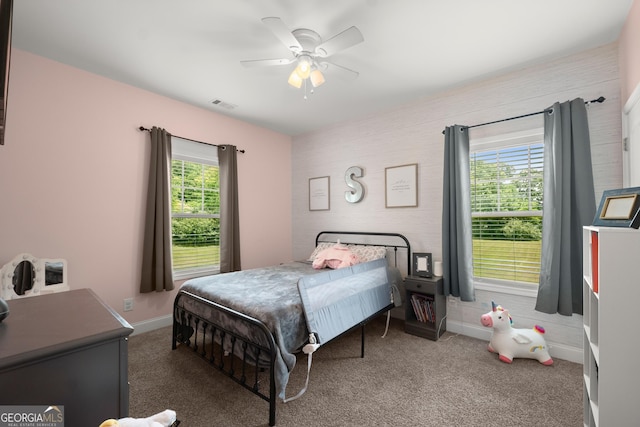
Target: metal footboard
x: 219, y: 346
x: 233, y: 354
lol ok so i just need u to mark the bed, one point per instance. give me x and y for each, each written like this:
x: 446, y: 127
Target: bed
x: 251, y: 324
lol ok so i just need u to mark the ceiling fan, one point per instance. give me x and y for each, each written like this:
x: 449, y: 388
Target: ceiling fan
x: 309, y: 52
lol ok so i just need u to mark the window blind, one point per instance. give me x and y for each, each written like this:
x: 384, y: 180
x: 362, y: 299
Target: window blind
x: 506, y: 203
x: 195, y: 208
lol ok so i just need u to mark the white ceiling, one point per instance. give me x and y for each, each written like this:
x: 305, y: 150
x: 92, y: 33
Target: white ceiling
x: 190, y: 50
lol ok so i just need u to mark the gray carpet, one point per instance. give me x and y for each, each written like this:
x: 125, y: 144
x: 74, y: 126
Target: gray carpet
x: 403, y: 380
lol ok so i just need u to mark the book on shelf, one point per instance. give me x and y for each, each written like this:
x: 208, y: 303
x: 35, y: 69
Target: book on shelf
x: 594, y: 261
x: 423, y: 308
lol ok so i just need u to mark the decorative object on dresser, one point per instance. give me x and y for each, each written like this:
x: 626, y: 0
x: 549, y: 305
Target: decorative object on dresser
x: 610, y: 324
x: 27, y: 276
x: 619, y: 208
x: 509, y: 342
x: 67, y: 349
x: 425, y: 307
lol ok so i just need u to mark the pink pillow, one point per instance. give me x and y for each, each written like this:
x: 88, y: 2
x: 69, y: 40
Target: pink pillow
x: 335, y: 257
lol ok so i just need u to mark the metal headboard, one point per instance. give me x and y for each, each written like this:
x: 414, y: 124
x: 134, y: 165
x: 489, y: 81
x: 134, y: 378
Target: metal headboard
x: 403, y: 242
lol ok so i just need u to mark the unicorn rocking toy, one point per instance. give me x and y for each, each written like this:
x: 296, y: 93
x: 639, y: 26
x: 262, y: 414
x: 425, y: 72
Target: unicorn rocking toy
x: 509, y: 342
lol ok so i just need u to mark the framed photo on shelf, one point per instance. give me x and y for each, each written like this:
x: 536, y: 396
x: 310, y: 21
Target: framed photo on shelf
x: 422, y: 264
x: 319, y: 193
x: 619, y: 208
x: 401, y: 186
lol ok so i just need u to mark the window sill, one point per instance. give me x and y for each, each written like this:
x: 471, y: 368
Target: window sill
x: 525, y: 290
x: 192, y: 274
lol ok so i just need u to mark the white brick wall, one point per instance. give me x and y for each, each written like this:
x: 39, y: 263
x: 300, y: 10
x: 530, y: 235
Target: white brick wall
x: 412, y: 133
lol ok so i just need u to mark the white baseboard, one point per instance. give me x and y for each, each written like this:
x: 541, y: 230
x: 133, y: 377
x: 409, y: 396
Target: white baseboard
x: 556, y: 350
x: 151, y: 324
x: 560, y: 351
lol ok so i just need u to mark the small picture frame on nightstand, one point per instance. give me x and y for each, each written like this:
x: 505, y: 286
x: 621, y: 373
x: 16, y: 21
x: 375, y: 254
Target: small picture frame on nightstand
x: 422, y: 264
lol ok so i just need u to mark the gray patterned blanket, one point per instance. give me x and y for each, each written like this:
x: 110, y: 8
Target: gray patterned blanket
x: 268, y: 294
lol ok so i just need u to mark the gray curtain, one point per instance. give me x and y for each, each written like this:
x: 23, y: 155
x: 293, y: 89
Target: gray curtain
x: 229, y: 219
x: 157, y: 272
x: 457, y: 255
x: 568, y: 205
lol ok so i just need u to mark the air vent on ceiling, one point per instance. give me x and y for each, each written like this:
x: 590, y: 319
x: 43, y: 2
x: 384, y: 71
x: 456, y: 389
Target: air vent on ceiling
x: 220, y: 103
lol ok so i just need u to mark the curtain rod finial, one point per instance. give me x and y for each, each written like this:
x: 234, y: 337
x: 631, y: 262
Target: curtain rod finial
x: 599, y: 100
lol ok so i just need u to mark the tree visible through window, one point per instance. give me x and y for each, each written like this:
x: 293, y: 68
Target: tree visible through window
x: 506, y: 208
x: 195, y: 211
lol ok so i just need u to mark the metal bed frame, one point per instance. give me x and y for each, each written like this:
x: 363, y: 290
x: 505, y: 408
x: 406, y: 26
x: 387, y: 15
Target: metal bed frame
x: 220, y: 346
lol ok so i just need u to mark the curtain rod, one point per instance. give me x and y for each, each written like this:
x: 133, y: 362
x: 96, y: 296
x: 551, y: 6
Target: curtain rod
x: 598, y: 100
x: 142, y: 128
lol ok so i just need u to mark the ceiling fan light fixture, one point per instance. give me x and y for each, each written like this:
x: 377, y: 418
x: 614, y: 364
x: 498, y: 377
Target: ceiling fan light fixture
x: 304, y: 67
x: 294, y: 79
x: 308, y: 52
x: 316, y: 77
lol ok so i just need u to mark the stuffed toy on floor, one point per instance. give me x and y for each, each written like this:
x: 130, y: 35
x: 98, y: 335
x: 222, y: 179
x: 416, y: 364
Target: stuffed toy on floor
x: 509, y: 342
x: 166, y: 418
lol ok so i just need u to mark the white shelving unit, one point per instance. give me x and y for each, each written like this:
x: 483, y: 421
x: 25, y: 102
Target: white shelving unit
x: 611, y: 297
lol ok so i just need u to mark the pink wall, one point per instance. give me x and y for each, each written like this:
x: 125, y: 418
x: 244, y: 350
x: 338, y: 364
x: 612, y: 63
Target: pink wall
x: 73, y: 174
x: 629, y: 53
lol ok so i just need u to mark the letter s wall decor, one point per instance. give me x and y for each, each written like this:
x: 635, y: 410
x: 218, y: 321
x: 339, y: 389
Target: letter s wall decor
x: 357, y: 192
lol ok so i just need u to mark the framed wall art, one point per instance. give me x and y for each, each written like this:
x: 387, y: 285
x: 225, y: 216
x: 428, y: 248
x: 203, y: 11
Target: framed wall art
x: 422, y: 264
x: 319, y: 193
x: 619, y: 208
x: 401, y: 186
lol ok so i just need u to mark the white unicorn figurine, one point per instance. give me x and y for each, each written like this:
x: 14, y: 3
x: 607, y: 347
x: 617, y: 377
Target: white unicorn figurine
x: 509, y: 342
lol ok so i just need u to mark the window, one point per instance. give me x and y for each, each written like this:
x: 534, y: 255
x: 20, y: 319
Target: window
x: 195, y: 209
x: 506, y: 207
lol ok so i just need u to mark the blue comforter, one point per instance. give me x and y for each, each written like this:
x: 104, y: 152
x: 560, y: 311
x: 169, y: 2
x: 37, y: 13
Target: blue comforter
x: 268, y: 294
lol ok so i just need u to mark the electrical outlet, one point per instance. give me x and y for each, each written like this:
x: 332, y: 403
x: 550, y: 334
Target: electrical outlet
x: 128, y: 304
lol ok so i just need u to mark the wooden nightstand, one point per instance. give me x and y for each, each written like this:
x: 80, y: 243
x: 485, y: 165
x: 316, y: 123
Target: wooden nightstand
x: 425, y: 307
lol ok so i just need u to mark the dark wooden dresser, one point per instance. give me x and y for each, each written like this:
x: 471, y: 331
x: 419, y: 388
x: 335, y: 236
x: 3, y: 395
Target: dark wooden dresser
x: 68, y: 349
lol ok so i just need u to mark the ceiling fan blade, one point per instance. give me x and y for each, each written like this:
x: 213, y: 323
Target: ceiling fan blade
x: 266, y: 62
x: 339, y: 70
x: 280, y: 30
x: 349, y: 37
